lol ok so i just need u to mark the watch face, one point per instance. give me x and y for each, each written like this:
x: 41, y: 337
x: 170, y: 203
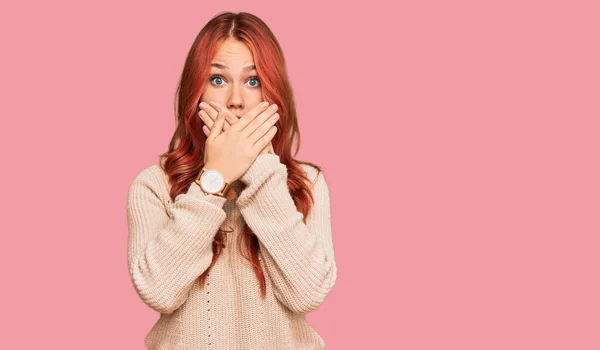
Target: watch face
x: 212, y: 181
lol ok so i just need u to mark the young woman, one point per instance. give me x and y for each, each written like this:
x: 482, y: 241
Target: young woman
x: 229, y: 235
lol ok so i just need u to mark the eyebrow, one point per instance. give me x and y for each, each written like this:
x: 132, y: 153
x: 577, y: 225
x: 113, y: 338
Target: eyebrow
x: 222, y: 66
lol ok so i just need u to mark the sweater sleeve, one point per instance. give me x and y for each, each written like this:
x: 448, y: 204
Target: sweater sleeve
x: 169, y: 247
x: 298, y: 257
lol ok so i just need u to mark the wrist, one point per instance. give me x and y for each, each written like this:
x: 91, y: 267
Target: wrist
x: 263, y: 163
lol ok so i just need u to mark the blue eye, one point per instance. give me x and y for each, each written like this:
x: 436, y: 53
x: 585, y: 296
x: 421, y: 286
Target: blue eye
x: 254, y: 78
x: 216, y: 77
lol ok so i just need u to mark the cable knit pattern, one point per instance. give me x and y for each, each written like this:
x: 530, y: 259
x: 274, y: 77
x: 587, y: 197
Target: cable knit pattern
x: 170, y: 246
x: 299, y: 259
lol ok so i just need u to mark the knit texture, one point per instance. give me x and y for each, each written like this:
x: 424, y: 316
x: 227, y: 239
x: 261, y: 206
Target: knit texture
x: 170, y: 246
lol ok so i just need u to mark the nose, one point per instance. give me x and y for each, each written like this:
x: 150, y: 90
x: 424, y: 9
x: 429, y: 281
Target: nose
x: 235, y: 102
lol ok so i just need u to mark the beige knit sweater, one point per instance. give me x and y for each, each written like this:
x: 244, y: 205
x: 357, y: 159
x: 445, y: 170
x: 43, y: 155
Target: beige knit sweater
x: 170, y: 246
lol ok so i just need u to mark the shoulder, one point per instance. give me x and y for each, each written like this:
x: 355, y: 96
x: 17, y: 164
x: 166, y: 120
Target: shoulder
x: 153, y: 173
x: 151, y: 178
x: 315, y: 175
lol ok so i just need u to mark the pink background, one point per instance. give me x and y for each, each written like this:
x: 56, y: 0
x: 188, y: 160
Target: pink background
x: 464, y: 174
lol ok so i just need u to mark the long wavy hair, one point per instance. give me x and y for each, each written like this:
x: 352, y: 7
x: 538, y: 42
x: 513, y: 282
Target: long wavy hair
x: 185, y: 157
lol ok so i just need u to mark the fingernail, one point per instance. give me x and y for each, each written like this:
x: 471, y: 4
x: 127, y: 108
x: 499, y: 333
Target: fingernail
x: 213, y: 103
x: 264, y: 104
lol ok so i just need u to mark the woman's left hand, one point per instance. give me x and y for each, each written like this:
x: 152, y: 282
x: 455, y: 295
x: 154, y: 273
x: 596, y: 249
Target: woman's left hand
x: 209, y: 114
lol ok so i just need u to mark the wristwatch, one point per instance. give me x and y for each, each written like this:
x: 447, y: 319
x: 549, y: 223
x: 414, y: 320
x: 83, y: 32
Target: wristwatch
x: 211, y: 181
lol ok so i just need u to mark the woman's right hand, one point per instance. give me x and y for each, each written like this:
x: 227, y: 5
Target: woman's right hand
x: 232, y: 151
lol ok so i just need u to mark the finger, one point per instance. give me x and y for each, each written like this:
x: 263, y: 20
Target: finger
x: 265, y: 139
x: 241, y: 123
x: 217, y: 128
x: 212, y: 113
x: 264, y: 128
x: 204, y: 106
x: 216, y: 108
x: 208, y: 121
x: 256, y: 123
x: 206, y: 130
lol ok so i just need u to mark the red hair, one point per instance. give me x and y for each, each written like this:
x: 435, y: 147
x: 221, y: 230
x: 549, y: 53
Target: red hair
x: 185, y: 157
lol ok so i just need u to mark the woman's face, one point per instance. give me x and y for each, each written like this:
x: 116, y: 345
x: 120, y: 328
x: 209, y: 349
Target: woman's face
x: 232, y: 81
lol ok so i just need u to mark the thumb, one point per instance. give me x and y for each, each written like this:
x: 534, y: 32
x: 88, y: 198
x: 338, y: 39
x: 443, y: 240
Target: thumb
x: 217, y: 127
